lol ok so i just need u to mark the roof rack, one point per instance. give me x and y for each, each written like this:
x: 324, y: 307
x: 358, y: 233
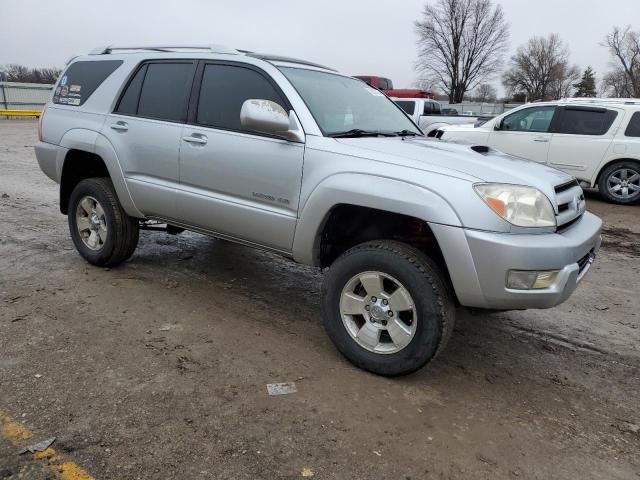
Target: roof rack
x: 202, y: 48
x: 278, y: 58
x: 163, y: 48
x: 618, y: 101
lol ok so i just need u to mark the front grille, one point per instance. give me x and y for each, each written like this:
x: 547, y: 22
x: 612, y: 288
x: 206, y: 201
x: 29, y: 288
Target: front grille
x: 566, y: 186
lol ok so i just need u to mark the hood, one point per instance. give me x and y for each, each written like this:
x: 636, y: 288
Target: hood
x: 480, y: 163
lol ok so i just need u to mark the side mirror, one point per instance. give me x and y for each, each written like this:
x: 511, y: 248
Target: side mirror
x: 498, y: 125
x: 269, y: 117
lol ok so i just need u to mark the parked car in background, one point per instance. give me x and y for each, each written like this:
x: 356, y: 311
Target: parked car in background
x: 385, y: 85
x: 596, y: 140
x: 429, y: 116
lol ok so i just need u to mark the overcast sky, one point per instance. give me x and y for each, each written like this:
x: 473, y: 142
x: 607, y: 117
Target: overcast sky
x: 355, y: 36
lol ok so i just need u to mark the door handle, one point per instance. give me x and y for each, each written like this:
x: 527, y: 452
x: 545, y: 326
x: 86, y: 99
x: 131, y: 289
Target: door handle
x: 195, y: 139
x: 541, y: 140
x: 120, y: 126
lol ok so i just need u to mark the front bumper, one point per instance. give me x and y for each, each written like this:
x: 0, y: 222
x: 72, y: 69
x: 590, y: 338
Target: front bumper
x: 479, y: 262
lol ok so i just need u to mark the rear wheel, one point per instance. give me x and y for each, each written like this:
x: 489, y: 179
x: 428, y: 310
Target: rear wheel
x: 101, y: 230
x: 620, y: 183
x: 387, y: 307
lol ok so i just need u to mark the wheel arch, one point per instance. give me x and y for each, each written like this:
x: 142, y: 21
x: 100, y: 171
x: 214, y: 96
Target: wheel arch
x: 351, y: 199
x: 609, y: 162
x: 89, y: 154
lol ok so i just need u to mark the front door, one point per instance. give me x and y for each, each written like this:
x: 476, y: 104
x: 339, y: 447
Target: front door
x: 525, y: 133
x: 233, y: 182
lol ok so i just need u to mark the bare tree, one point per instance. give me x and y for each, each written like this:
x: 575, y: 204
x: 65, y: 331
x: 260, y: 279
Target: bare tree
x: 20, y: 73
x: 484, y: 93
x: 564, y: 84
x: 616, y: 84
x: 624, y: 46
x: 461, y: 44
x: 540, y: 70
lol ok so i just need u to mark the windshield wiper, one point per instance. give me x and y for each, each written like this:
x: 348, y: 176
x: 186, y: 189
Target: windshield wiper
x: 407, y: 133
x: 358, y: 132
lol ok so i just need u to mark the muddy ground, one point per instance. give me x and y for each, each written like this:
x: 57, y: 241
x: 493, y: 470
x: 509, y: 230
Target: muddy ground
x: 158, y: 369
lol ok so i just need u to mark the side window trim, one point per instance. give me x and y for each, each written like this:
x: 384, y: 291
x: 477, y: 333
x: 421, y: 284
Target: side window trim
x: 196, y: 90
x: 144, y: 64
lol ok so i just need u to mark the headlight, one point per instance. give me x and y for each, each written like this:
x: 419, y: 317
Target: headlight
x: 518, y: 205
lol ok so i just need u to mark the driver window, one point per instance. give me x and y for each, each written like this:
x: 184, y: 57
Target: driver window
x: 536, y: 119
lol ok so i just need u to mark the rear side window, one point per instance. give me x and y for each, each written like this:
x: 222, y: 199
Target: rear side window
x: 407, y: 106
x: 159, y: 90
x: 225, y: 88
x: 585, y: 121
x: 431, y: 108
x: 633, y: 129
x: 81, y: 79
x: 129, y: 101
x: 384, y: 84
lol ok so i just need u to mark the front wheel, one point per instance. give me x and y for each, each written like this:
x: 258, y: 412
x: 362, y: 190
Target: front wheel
x: 620, y: 183
x: 387, y: 307
x: 101, y: 230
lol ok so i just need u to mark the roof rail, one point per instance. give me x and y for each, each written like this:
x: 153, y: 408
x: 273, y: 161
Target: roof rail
x: 278, y: 58
x: 163, y: 48
x: 618, y: 101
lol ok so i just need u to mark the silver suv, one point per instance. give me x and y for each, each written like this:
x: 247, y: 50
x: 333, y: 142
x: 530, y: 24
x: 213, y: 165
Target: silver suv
x: 293, y: 157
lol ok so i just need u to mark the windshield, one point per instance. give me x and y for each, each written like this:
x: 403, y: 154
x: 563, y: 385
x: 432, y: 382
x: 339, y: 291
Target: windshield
x: 341, y: 105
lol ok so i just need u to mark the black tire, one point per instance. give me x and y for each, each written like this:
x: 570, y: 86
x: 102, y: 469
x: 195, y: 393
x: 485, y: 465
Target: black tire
x: 428, y: 288
x: 122, y: 230
x: 608, y: 171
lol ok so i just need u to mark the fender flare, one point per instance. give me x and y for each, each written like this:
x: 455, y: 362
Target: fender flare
x: 93, y: 142
x: 378, y: 192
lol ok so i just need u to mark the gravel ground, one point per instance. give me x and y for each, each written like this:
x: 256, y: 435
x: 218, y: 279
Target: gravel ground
x: 158, y: 369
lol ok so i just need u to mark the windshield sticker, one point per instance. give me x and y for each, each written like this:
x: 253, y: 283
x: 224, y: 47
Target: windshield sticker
x: 64, y: 92
x: 63, y: 81
x: 75, y: 88
x: 57, y: 91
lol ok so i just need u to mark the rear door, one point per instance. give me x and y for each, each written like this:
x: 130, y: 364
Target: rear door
x: 236, y: 182
x: 145, y: 129
x: 581, y: 137
x: 525, y: 133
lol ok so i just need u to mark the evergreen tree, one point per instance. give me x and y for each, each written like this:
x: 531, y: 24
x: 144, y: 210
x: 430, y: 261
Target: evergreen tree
x: 586, y: 87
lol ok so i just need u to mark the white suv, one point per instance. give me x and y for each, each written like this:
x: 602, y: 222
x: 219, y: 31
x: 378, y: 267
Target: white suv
x: 596, y: 140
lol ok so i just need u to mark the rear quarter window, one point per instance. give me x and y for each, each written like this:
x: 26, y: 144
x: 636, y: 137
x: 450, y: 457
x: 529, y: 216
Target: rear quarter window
x: 81, y: 79
x: 633, y: 129
x: 584, y: 121
x: 407, y: 106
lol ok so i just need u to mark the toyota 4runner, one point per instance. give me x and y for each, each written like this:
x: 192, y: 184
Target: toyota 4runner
x: 295, y: 158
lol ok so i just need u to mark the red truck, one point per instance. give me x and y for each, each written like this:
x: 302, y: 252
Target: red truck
x: 385, y: 85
